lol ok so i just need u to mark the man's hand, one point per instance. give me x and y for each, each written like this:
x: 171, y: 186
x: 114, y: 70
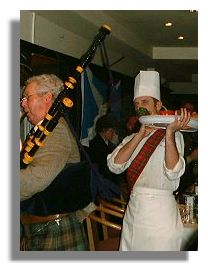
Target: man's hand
x: 144, y: 131
x: 180, y: 123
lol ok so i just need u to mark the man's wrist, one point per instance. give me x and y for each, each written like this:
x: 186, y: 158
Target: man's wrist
x: 169, y: 134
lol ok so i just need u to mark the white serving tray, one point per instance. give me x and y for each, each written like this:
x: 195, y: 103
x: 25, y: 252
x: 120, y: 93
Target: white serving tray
x: 161, y: 121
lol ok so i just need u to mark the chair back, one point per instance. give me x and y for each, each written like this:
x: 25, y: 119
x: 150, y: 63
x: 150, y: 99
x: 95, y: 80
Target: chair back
x: 104, y: 225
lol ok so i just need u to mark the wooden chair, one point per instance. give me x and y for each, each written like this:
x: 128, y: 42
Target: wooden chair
x: 108, y: 219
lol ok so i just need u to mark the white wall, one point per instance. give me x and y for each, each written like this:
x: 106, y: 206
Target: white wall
x: 50, y: 35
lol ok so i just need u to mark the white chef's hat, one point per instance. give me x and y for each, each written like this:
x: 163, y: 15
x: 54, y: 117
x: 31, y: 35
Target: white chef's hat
x: 147, y: 83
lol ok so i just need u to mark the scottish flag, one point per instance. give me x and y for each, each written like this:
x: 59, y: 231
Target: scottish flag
x: 94, y: 104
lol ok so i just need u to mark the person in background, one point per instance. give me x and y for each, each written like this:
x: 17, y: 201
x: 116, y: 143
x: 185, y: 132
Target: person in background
x: 154, y: 162
x: 189, y: 105
x: 132, y: 124
x: 190, y: 178
x: 60, y: 231
x: 100, y: 146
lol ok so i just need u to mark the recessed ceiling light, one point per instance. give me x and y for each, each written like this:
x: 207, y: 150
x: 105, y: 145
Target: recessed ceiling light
x: 180, y: 38
x: 168, y: 24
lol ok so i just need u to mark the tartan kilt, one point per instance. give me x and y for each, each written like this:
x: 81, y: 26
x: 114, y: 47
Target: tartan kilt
x: 67, y: 234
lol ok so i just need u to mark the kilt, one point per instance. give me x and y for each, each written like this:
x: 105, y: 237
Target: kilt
x: 63, y: 235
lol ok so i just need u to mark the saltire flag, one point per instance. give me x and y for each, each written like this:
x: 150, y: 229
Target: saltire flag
x: 94, y: 104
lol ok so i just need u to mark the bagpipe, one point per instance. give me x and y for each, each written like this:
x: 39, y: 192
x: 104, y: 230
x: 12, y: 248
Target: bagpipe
x: 77, y: 184
x: 61, y: 103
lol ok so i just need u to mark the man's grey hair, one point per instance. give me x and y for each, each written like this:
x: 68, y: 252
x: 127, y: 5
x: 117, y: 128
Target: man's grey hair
x: 46, y: 83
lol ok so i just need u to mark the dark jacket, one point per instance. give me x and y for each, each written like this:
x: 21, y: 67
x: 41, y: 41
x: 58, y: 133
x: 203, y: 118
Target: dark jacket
x: 98, y: 151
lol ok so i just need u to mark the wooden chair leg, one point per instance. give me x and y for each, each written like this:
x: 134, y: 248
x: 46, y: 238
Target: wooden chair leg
x: 90, y: 234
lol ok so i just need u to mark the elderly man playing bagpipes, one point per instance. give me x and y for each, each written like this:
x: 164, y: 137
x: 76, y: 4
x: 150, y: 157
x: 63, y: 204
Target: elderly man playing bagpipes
x: 57, y: 191
x: 42, y: 231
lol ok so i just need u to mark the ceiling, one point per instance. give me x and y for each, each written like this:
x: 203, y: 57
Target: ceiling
x: 136, y: 36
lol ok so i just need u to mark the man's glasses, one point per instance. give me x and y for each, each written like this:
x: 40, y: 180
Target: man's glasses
x: 26, y: 98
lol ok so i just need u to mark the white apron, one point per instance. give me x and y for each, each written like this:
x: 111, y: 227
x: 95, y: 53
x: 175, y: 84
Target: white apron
x: 152, y: 222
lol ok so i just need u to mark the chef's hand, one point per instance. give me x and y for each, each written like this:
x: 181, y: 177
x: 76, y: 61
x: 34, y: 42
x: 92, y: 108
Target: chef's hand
x: 180, y: 123
x: 145, y: 131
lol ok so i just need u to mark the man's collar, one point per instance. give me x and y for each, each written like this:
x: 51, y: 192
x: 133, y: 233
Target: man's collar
x: 36, y: 126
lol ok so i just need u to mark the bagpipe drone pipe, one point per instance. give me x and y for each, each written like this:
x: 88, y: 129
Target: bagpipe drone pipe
x: 61, y: 103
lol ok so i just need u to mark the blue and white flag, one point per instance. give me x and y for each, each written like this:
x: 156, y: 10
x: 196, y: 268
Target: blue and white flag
x: 94, y: 104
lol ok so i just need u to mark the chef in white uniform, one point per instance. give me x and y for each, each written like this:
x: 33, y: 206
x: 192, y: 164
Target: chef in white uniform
x: 152, y: 221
